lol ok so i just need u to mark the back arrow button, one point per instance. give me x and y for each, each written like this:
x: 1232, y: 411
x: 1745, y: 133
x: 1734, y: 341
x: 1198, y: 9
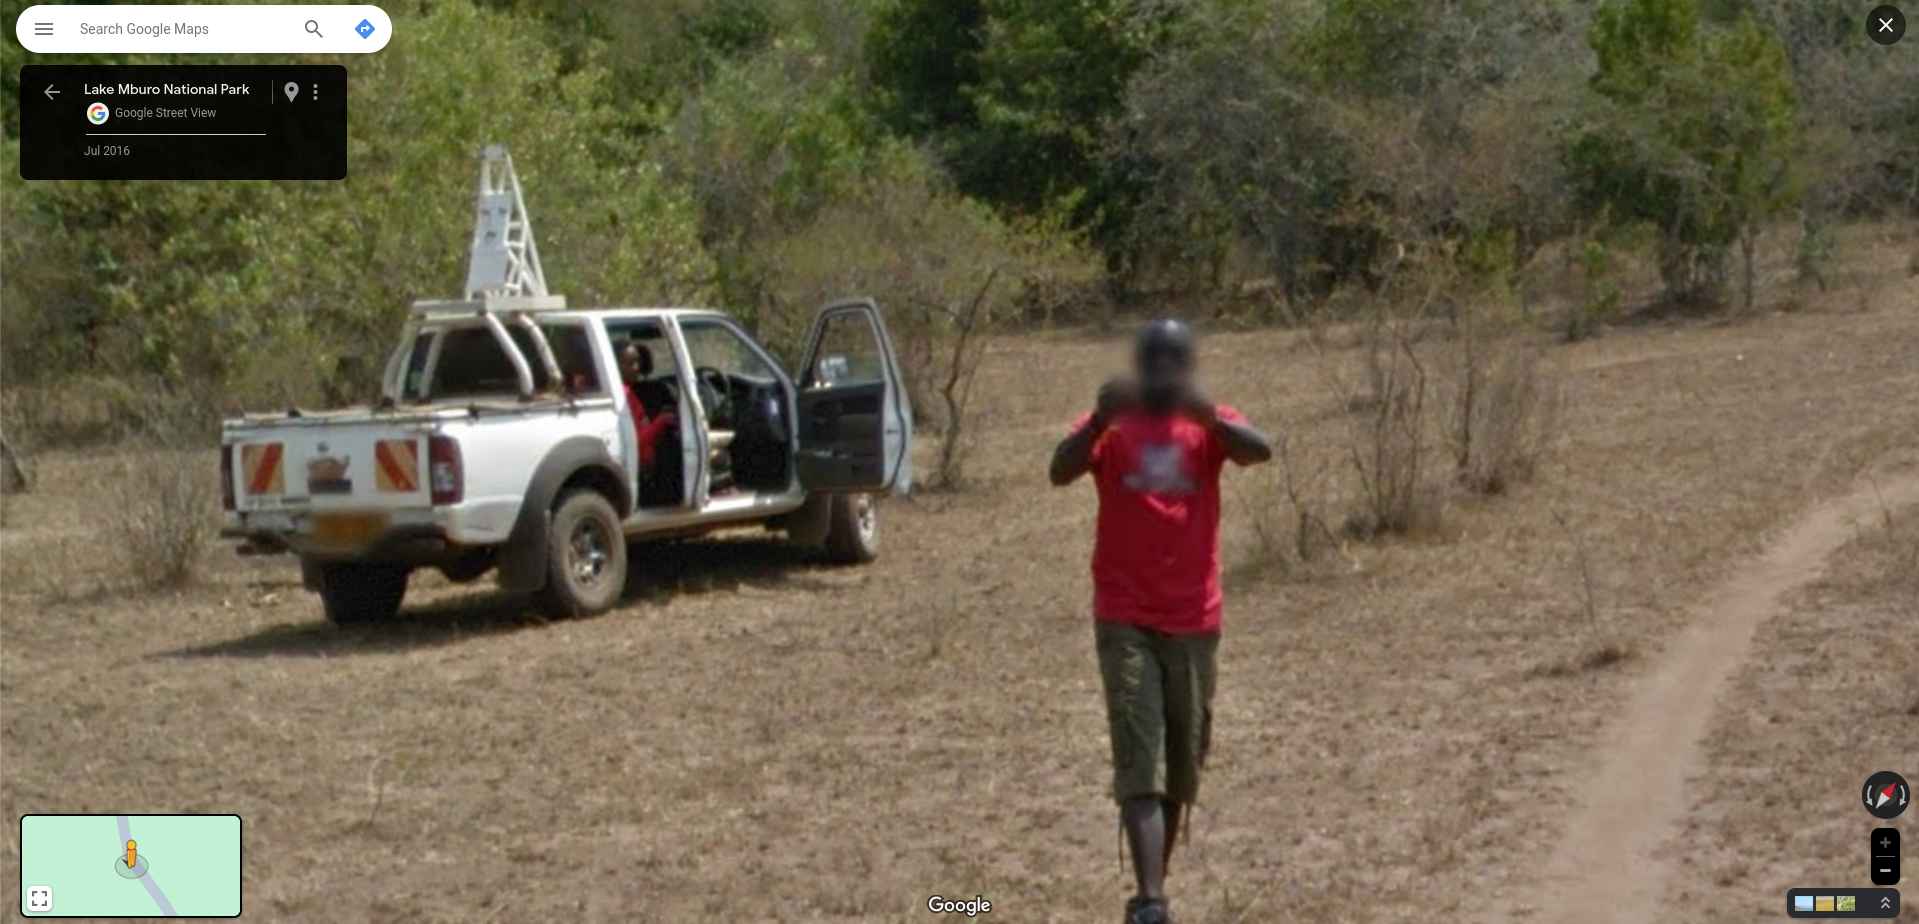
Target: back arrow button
x: 50, y: 91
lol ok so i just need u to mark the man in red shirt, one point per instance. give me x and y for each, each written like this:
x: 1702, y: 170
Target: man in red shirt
x: 1155, y: 447
x: 636, y: 364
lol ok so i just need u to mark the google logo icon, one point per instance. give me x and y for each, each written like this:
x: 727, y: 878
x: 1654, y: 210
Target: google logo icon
x: 97, y: 113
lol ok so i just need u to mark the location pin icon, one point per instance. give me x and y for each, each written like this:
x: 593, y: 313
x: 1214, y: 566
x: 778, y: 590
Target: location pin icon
x: 292, y: 90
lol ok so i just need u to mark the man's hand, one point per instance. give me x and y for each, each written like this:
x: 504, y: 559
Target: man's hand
x: 1074, y: 455
x: 1199, y: 408
x: 1244, y: 444
x: 1116, y: 396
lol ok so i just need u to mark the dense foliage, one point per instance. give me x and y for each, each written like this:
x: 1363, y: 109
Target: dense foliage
x: 268, y: 288
x: 1697, y: 133
x: 763, y: 153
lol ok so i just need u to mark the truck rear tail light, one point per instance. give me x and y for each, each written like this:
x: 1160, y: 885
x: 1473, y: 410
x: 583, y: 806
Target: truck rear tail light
x: 226, y: 477
x: 444, y: 470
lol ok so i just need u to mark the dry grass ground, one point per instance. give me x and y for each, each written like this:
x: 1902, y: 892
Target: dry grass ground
x: 1829, y: 696
x: 754, y: 736
x: 1615, y: 856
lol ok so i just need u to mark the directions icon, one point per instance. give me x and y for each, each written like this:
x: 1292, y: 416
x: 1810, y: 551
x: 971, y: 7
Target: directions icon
x: 1886, y: 795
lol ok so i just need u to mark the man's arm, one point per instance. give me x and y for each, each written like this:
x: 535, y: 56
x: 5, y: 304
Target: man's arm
x: 1243, y: 443
x: 1074, y: 455
x: 649, y: 436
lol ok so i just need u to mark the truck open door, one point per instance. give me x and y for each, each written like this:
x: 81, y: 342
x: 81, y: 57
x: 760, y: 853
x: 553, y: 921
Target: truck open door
x: 855, y: 419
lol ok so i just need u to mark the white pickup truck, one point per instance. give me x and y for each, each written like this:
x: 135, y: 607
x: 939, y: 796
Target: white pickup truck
x: 506, y: 440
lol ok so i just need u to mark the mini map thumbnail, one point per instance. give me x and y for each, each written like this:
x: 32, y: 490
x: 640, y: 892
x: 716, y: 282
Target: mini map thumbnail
x: 130, y: 866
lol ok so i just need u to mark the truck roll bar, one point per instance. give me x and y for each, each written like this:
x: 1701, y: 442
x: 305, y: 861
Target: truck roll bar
x: 543, y: 348
x: 521, y: 370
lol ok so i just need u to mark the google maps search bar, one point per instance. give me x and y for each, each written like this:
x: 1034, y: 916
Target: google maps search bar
x: 285, y: 29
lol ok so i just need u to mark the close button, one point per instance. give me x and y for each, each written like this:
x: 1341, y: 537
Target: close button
x: 1886, y: 24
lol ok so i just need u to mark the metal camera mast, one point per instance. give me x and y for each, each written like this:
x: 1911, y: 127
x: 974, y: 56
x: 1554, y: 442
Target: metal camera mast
x: 505, y: 283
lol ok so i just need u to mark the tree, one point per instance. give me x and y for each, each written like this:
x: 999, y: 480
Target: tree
x: 920, y: 57
x: 947, y: 270
x: 765, y: 144
x: 1693, y: 131
x: 1240, y: 148
x: 1858, y: 115
x: 1014, y: 95
x: 266, y: 291
x: 1307, y: 136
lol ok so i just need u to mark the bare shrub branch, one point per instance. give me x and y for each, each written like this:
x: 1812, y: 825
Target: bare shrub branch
x: 162, y: 496
x: 1501, y: 415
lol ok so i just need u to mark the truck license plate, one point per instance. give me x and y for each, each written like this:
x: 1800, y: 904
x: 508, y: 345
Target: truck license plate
x: 347, y: 528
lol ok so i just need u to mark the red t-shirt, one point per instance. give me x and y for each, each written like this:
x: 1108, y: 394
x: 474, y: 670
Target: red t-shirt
x: 1156, y: 552
x: 646, y: 430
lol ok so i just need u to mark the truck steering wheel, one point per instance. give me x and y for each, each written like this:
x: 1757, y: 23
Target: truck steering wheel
x: 715, y: 393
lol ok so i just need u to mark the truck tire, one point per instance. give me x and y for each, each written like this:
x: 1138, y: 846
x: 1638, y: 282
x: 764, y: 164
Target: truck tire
x: 585, y: 557
x: 853, y: 529
x: 358, y: 592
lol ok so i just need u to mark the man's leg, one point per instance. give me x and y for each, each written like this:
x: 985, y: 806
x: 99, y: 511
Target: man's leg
x: 1188, y: 666
x: 1146, y: 836
x: 1135, y: 712
x: 1172, y: 810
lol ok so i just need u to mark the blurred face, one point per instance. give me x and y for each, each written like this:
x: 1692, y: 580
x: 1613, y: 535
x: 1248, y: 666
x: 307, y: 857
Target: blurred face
x: 630, y: 363
x: 1165, y: 375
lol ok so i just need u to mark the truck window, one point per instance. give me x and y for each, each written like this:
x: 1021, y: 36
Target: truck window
x: 573, y: 353
x: 648, y: 336
x: 715, y: 344
x: 472, y: 363
x: 849, y: 352
x: 413, y: 381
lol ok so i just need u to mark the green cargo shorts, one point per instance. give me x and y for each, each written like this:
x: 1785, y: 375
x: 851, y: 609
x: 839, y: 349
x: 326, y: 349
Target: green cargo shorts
x: 1159, y: 705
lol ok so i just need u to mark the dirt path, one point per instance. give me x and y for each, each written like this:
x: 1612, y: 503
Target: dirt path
x: 1607, y: 866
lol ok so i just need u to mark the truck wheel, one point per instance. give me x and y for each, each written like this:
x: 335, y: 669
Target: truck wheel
x: 853, y: 529
x: 358, y: 592
x: 585, y: 557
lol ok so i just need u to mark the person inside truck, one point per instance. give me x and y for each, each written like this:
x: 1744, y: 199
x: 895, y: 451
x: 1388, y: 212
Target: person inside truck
x: 649, y: 401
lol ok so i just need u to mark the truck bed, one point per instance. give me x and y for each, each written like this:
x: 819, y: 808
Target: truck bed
x: 337, y: 481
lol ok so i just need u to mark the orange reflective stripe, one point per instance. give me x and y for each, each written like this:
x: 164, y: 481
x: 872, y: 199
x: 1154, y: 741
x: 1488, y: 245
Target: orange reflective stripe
x: 396, y: 462
x: 261, y: 463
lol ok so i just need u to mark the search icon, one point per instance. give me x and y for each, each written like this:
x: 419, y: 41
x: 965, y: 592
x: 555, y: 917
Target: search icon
x: 313, y: 28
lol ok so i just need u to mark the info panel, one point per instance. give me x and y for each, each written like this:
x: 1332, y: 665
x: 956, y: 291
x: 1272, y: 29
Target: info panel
x: 183, y: 122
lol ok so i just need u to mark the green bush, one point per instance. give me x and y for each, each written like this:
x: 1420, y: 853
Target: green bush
x: 765, y: 143
x: 948, y: 272
x: 269, y: 291
x: 1014, y: 96
x: 1235, y: 146
x: 1694, y: 132
x: 1599, y: 301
